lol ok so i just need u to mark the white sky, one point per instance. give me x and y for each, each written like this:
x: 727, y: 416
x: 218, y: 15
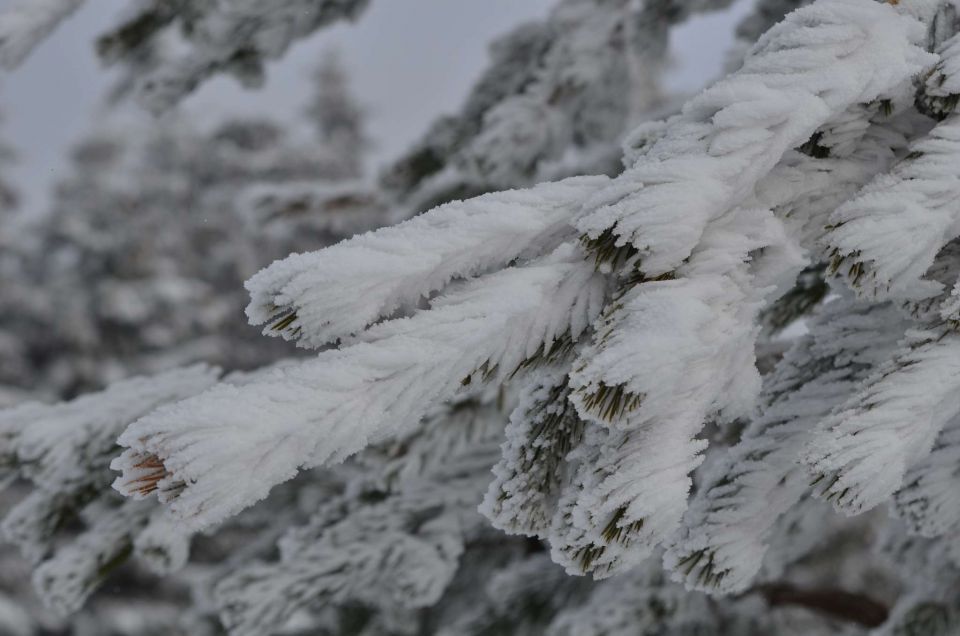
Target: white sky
x: 409, y: 60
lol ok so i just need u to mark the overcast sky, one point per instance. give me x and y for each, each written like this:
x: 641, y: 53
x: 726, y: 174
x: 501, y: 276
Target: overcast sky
x: 409, y: 61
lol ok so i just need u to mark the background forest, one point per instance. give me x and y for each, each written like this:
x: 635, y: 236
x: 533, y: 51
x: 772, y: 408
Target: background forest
x: 564, y: 345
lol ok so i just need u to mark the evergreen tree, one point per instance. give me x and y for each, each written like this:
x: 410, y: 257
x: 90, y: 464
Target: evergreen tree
x: 556, y: 100
x: 231, y: 36
x: 11, y: 276
x: 618, y: 319
x: 339, y: 123
x: 139, y: 265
